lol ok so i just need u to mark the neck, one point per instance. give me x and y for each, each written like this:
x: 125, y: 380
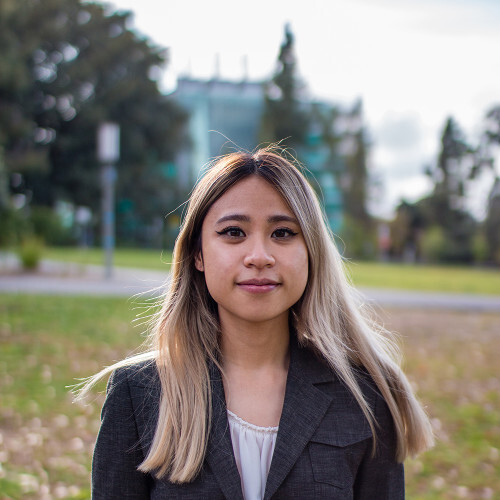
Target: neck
x: 255, y: 346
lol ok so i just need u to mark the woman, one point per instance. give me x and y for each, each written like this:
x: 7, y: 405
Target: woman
x: 263, y: 379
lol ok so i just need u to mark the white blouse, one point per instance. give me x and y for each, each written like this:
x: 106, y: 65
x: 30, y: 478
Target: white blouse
x: 253, y: 448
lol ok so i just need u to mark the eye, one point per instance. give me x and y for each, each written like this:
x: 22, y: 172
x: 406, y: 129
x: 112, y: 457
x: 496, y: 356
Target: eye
x: 232, y: 232
x: 283, y: 233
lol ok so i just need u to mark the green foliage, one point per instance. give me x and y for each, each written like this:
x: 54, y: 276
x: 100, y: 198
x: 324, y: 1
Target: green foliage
x: 355, y: 179
x: 439, y: 226
x: 493, y: 132
x: 492, y: 224
x: 433, y: 245
x: 13, y: 224
x: 30, y: 252
x: 47, y: 225
x: 41, y: 222
x: 406, y: 230
x: 66, y: 66
x: 358, y: 242
x: 285, y: 119
x: 445, y: 207
x: 480, y: 247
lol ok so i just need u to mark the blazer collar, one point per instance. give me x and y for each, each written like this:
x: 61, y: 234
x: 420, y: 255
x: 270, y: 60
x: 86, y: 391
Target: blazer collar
x: 220, y: 456
x: 304, y: 407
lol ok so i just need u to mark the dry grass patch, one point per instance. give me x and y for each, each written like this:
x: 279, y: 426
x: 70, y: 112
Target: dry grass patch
x: 452, y: 359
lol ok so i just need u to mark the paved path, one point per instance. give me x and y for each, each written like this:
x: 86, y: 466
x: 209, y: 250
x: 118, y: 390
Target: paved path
x: 61, y: 278
x: 66, y: 278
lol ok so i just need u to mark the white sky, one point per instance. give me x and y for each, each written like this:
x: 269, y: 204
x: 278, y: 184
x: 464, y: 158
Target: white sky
x: 413, y: 62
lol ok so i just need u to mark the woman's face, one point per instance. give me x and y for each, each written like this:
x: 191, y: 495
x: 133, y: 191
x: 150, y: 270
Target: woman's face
x: 253, y: 254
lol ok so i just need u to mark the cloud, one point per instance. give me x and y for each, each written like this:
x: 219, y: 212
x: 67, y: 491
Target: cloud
x: 399, y: 131
x: 402, y: 146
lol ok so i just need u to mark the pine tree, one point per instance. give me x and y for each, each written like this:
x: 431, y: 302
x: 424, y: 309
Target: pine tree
x: 445, y: 207
x: 285, y: 119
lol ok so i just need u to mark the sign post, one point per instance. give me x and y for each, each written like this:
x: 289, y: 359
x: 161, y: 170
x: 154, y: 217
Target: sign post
x: 108, y: 153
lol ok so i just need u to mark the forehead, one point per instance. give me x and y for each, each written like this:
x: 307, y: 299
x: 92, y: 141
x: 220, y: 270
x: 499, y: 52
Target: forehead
x: 252, y: 194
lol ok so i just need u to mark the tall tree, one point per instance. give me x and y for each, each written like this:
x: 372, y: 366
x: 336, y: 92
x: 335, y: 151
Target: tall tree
x: 285, y: 118
x: 445, y: 207
x: 492, y: 222
x: 355, y: 177
x: 65, y: 66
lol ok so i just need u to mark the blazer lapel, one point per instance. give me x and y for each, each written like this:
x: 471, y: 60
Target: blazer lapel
x: 220, y: 456
x: 304, y: 407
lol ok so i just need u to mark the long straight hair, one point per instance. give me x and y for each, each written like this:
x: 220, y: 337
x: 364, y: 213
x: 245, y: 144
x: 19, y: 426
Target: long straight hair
x: 326, y: 319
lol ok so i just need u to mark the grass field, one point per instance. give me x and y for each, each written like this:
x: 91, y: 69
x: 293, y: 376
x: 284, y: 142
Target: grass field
x: 370, y: 274
x: 452, y: 279
x: 46, y: 440
x: 124, y: 257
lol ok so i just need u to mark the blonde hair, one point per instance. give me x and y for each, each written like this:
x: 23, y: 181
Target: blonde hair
x: 326, y: 319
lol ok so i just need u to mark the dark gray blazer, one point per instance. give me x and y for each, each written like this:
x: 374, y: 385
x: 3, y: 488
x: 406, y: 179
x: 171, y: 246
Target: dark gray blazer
x: 323, y: 448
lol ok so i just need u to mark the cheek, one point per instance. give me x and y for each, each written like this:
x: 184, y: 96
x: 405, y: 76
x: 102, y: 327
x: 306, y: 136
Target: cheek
x: 305, y: 274
x: 217, y: 269
x: 301, y: 271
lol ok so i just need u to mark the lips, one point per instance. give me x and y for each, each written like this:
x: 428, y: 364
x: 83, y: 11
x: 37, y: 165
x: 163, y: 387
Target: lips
x: 258, y: 285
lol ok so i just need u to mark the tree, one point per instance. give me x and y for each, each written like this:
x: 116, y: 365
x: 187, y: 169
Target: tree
x: 65, y: 66
x: 492, y: 223
x: 445, y: 207
x: 355, y: 182
x: 358, y: 228
x: 285, y: 120
x: 406, y: 229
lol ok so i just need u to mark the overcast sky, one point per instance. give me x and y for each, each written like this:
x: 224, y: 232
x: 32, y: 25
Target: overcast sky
x: 413, y: 63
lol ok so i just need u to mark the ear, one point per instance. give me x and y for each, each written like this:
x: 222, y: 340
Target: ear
x: 198, y: 262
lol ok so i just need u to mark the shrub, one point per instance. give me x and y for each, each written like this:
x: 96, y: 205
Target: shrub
x: 12, y: 226
x: 480, y: 248
x: 47, y: 225
x: 433, y: 245
x: 30, y: 252
x: 359, y: 242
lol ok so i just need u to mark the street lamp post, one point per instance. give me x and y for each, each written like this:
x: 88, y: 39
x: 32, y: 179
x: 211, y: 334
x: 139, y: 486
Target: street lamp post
x: 108, y: 153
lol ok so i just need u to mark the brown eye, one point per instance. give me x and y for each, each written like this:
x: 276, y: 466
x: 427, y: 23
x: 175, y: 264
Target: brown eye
x: 232, y: 232
x: 283, y: 232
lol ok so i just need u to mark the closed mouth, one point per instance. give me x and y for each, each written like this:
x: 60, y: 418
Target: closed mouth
x: 258, y: 282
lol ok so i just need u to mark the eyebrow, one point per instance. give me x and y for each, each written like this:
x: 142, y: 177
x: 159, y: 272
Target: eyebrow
x: 271, y: 219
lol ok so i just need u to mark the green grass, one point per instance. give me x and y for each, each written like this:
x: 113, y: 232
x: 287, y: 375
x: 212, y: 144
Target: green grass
x: 451, y: 279
x: 122, y: 257
x: 46, y: 343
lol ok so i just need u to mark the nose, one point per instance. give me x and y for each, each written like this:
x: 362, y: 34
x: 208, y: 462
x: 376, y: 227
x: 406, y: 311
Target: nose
x: 258, y: 255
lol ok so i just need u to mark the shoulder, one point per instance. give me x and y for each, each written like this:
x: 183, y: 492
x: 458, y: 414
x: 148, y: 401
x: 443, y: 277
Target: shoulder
x: 139, y: 374
x: 136, y: 384
x: 133, y: 395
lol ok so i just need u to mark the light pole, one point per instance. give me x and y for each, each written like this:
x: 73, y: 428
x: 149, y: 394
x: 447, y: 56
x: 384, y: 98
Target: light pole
x: 108, y: 153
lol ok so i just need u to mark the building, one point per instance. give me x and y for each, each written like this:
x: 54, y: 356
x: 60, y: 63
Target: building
x: 223, y: 116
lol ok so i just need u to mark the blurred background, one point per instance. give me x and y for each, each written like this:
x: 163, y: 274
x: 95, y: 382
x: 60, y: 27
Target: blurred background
x: 394, y: 109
